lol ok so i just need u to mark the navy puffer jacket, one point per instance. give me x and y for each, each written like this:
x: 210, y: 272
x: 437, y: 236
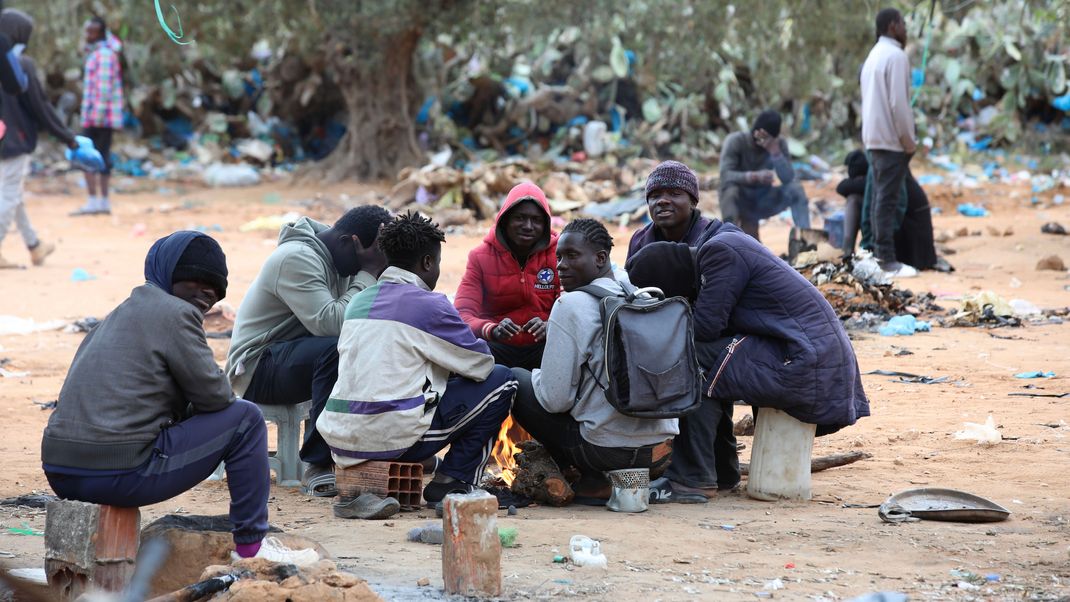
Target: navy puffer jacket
x: 792, y: 353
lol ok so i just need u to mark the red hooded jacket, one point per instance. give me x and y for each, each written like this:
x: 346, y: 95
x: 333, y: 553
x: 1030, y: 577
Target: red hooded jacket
x: 495, y: 287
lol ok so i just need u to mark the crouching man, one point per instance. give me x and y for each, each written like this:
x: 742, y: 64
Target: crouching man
x: 412, y: 378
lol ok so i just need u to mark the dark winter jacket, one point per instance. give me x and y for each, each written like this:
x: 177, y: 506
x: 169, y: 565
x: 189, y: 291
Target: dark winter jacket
x: 134, y: 375
x: 25, y: 113
x: 650, y: 233
x: 495, y: 286
x: 793, y: 354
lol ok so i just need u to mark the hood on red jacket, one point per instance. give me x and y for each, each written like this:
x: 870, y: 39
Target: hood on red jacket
x: 523, y: 191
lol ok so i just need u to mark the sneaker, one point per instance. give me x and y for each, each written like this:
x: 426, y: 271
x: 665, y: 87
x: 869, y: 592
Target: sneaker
x: 435, y: 491
x: 367, y: 506
x: 272, y: 549
x: 42, y: 250
x: 898, y: 270
x: 87, y: 210
x: 664, y: 491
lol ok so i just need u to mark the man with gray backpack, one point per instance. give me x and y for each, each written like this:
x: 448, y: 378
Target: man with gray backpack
x: 594, y: 402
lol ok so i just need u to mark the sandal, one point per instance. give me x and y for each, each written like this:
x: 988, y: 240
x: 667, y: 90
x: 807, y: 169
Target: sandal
x: 319, y: 481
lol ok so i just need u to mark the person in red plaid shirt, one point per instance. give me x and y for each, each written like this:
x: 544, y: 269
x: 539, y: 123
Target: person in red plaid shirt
x: 102, y: 107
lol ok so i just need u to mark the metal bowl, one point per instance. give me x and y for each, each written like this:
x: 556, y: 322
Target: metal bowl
x: 931, y: 503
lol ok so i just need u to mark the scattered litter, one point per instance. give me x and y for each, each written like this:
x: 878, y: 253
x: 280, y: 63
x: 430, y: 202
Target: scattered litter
x: 5, y: 373
x: 84, y: 325
x: 431, y: 533
x: 1052, y: 395
x: 25, y: 529
x: 992, y: 578
x: 1051, y: 262
x: 1024, y: 309
x: 31, y: 500
x: 984, y: 434
x: 81, y: 275
x: 559, y: 559
x: 904, y: 325
x: 906, y: 377
x: 47, y: 405
x: 1035, y: 374
x: 773, y: 585
x: 241, y: 174
x: 15, y: 325
x: 269, y: 222
x: 881, y: 597
x: 508, y: 536
x: 971, y: 210
x: 1053, y: 228
x: 728, y: 527
x: 511, y: 511
x: 985, y: 307
x: 789, y: 565
x: 33, y: 575
x: 423, y: 582
x: 585, y: 551
x: 967, y: 585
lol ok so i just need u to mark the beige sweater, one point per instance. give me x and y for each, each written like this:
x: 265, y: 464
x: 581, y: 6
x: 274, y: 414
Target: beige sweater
x: 887, y: 119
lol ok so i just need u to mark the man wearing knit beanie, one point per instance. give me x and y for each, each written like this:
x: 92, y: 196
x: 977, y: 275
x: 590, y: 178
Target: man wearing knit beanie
x: 202, y: 265
x: 672, y: 203
x: 749, y: 163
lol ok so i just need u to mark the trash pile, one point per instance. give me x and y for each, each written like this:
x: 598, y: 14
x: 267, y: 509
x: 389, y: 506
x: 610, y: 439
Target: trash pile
x: 861, y: 296
x: 461, y: 196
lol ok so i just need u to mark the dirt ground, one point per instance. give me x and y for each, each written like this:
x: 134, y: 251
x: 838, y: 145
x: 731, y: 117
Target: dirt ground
x: 733, y: 548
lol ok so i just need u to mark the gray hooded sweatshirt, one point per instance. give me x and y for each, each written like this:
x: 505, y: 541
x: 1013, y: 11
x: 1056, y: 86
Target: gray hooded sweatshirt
x: 298, y: 293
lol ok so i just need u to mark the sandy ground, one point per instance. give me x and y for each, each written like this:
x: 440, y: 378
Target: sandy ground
x: 729, y: 549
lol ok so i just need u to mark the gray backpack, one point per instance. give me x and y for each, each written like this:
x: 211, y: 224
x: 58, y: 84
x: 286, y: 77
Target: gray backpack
x: 651, y: 368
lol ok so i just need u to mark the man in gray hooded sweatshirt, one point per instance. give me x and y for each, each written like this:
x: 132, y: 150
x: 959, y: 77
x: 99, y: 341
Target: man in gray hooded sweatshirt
x: 284, y: 349
x: 23, y: 115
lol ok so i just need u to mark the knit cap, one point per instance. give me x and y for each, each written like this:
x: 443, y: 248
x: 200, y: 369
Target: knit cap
x: 203, y: 261
x: 672, y: 174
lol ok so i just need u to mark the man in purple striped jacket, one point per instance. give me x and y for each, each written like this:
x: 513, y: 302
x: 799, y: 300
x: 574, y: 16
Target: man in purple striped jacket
x: 412, y: 378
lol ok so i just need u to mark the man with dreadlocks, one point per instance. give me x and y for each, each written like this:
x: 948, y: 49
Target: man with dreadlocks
x: 412, y: 378
x: 560, y: 404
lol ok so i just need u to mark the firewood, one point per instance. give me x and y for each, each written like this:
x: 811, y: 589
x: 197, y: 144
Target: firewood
x: 538, y: 476
x: 824, y: 462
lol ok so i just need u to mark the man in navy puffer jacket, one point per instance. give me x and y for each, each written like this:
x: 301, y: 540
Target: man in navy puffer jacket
x: 765, y: 335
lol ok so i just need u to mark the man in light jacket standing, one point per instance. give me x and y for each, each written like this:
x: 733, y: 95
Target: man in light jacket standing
x: 888, y: 132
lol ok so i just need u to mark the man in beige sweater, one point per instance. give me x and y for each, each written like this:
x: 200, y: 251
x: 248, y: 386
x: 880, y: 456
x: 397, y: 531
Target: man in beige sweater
x: 888, y: 132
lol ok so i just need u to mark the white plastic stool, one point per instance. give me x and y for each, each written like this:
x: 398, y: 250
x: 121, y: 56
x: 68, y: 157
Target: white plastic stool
x: 286, y: 460
x: 780, y: 457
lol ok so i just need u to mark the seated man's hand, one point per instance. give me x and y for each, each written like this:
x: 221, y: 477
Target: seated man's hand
x: 770, y: 143
x: 762, y: 177
x: 537, y: 327
x: 504, y: 330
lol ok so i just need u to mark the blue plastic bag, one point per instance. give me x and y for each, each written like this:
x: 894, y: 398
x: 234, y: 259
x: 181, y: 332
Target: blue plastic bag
x: 903, y: 325
x: 971, y: 210
x: 85, y: 157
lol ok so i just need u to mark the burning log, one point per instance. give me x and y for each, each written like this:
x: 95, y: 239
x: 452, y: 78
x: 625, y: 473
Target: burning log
x: 537, y: 476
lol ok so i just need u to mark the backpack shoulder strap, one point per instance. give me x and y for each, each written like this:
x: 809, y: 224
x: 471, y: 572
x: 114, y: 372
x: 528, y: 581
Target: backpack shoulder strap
x: 597, y: 292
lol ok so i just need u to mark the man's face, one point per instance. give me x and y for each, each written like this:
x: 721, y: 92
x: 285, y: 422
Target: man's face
x: 198, y: 294
x: 578, y: 263
x: 93, y: 32
x: 669, y: 208
x: 525, y: 225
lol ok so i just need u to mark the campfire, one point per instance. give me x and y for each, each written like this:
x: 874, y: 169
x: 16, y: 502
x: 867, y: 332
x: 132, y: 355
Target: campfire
x: 509, y: 438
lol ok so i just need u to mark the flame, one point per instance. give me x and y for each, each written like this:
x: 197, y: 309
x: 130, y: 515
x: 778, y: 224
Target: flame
x: 510, y: 435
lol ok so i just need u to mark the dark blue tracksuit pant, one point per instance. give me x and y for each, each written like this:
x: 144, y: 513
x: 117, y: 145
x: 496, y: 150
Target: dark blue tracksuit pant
x: 467, y: 419
x: 184, y: 455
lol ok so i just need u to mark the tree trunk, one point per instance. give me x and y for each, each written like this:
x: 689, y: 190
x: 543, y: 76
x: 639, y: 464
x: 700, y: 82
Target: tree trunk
x: 381, y: 101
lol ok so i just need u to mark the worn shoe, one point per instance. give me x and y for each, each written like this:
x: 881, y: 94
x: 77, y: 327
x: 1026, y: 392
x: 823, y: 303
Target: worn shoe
x: 895, y: 270
x: 367, y: 506
x: 88, y: 210
x: 664, y: 491
x: 319, y: 481
x: 42, y: 250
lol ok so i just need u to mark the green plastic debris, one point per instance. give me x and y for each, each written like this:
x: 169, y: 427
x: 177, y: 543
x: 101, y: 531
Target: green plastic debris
x: 25, y: 530
x: 508, y: 535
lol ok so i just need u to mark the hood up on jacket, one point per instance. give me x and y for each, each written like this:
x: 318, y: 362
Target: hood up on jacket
x: 16, y: 25
x: 524, y: 191
x: 164, y: 255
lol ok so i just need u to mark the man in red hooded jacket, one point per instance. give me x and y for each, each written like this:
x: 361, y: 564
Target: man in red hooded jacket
x: 511, y: 281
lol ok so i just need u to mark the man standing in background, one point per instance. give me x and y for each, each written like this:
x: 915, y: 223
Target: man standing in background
x: 102, y: 108
x: 888, y: 133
